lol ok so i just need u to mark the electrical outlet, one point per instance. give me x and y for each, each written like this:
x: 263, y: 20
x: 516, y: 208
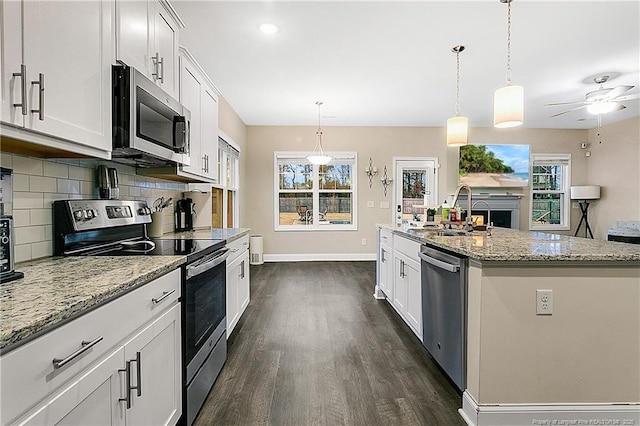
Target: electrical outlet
x: 384, y: 204
x: 364, y: 241
x: 371, y: 203
x: 544, y: 302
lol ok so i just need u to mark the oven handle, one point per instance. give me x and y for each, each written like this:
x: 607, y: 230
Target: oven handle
x: 207, y: 263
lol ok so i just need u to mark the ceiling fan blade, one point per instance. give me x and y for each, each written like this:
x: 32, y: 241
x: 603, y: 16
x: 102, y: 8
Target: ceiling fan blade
x: 619, y: 107
x: 627, y: 98
x: 569, y: 110
x: 565, y: 103
x: 617, y: 91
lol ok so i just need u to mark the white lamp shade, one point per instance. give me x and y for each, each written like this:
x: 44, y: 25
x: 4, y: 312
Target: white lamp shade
x: 508, y: 106
x: 319, y: 159
x: 586, y: 192
x: 457, y: 128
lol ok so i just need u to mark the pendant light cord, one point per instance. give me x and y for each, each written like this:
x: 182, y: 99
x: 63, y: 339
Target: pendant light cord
x: 508, y: 42
x: 319, y: 131
x: 457, y: 82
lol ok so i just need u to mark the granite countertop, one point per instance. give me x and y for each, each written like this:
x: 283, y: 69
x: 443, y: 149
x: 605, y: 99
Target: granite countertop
x: 512, y: 245
x: 228, y: 234
x: 57, y: 289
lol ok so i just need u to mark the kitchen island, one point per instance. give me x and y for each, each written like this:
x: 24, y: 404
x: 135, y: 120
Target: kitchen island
x: 579, y: 364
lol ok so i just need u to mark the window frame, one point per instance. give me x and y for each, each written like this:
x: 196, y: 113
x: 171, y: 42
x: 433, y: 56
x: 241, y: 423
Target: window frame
x: 564, y: 161
x: 300, y: 157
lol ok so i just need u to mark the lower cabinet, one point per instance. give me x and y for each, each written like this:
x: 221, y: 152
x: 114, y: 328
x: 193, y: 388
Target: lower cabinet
x: 407, y: 286
x: 385, y: 280
x: 130, y: 373
x: 238, y: 283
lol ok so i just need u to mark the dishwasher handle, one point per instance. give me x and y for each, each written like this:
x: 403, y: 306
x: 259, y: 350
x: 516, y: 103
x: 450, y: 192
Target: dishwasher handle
x: 439, y: 263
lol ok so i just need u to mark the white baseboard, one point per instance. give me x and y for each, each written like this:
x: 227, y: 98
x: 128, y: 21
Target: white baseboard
x: 541, y: 414
x: 378, y: 293
x: 318, y: 257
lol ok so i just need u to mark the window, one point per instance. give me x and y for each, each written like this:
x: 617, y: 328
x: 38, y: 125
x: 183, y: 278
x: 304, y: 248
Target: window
x: 225, y: 209
x: 550, y: 186
x: 313, y: 197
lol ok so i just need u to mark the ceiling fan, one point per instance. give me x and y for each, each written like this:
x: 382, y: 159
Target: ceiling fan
x: 602, y: 100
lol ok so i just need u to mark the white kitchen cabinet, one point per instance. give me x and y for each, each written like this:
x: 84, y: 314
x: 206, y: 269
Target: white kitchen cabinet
x: 198, y: 95
x: 238, y: 281
x: 385, y: 265
x: 407, y: 285
x: 147, y: 39
x: 93, y: 398
x: 58, y: 94
x: 93, y: 377
x: 157, y: 347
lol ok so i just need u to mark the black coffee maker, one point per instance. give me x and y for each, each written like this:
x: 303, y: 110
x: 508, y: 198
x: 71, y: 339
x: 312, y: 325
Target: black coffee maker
x: 185, y: 210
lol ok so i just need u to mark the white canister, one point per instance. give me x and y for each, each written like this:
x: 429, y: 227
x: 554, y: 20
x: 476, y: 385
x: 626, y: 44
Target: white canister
x: 154, y: 229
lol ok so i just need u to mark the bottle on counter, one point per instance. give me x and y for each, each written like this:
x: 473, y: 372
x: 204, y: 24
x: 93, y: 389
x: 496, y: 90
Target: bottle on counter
x: 445, y: 210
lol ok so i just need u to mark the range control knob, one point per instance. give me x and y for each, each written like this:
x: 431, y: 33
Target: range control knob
x: 78, y: 214
x: 144, y: 211
x: 88, y: 214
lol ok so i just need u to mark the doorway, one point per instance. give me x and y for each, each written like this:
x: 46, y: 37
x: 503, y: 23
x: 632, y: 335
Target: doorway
x: 415, y: 189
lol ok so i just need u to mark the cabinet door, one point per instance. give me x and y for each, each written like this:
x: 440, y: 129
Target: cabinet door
x: 191, y: 98
x: 69, y: 79
x: 414, y: 296
x: 399, y: 284
x: 386, y: 271
x: 233, y: 306
x: 244, y: 284
x: 91, y: 399
x: 158, y: 373
x: 209, y: 133
x: 132, y: 42
x: 166, y: 48
x: 11, y: 60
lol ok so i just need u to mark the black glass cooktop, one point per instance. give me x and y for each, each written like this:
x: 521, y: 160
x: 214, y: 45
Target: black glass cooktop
x: 193, y: 249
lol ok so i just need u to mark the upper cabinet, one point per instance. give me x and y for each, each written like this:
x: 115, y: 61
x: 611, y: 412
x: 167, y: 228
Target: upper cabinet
x: 199, y: 96
x: 147, y: 39
x: 56, y: 74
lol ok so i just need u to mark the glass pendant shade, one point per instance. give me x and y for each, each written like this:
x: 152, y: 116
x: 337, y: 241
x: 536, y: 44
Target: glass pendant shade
x: 508, y: 106
x: 602, y: 107
x: 318, y: 156
x: 457, y: 130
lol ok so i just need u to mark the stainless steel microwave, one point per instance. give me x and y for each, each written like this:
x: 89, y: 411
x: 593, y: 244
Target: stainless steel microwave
x: 150, y: 128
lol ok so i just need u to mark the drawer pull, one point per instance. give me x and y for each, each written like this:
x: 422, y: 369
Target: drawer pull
x: 61, y: 362
x: 165, y: 294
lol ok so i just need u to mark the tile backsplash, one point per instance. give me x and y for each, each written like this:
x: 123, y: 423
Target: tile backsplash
x: 37, y: 183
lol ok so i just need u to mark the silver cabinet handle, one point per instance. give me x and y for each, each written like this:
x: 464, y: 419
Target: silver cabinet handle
x: 61, y: 362
x: 127, y: 380
x: 156, y: 65
x: 165, y: 294
x: 204, y: 163
x: 162, y: 70
x: 138, y: 385
x: 242, y: 270
x: 382, y: 256
x: 23, y: 88
x: 40, y: 110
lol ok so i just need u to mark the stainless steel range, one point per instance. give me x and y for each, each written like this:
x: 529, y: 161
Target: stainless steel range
x: 118, y: 228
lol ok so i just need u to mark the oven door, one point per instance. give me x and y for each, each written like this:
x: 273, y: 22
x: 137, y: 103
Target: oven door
x: 204, y: 308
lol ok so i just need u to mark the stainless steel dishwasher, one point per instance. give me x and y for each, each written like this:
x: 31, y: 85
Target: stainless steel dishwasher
x: 444, y: 308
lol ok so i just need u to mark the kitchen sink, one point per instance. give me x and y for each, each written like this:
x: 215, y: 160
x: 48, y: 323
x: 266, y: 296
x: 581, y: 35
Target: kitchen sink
x: 439, y: 232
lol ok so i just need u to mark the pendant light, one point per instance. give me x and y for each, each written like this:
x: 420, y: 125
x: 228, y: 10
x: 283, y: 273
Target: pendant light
x: 318, y: 156
x: 508, y: 101
x: 457, y: 127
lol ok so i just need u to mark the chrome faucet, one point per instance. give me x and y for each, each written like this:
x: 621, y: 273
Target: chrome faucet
x: 488, y: 210
x: 469, y: 225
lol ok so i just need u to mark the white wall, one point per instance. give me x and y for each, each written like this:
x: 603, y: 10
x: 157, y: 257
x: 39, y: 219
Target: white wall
x: 382, y: 144
x: 615, y: 166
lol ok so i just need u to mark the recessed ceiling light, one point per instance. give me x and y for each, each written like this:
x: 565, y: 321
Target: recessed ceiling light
x: 268, y: 28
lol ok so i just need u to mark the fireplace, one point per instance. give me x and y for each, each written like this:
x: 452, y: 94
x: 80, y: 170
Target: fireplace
x: 505, y: 208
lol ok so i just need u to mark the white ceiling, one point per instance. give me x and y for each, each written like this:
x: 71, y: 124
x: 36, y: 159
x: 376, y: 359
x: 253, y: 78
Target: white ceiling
x: 389, y: 63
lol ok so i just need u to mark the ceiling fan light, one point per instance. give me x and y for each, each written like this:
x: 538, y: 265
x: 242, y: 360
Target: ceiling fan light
x: 457, y: 131
x: 508, y: 106
x: 602, y: 107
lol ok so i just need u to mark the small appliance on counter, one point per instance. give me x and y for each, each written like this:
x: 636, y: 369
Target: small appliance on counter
x: 104, y: 183
x: 184, y: 214
x: 7, y: 238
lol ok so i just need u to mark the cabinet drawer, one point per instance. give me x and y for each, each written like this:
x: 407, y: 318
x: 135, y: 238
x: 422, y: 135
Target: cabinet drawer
x: 28, y: 373
x: 385, y: 236
x: 237, y: 248
x: 407, y: 246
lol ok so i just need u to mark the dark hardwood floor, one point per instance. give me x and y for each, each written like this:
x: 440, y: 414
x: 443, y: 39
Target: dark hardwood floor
x: 315, y: 347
